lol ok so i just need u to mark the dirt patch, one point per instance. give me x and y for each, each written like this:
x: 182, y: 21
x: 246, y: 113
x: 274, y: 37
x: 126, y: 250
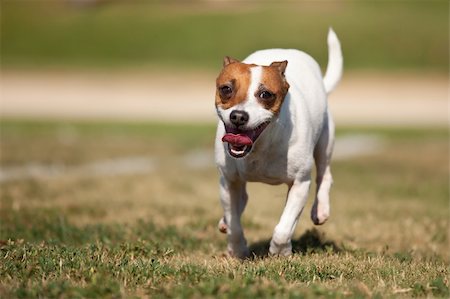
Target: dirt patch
x: 360, y: 99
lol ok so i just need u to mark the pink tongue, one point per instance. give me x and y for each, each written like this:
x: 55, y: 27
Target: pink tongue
x: 237, y: 139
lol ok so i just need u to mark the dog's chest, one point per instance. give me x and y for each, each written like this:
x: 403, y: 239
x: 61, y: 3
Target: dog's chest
x: 269, y: 170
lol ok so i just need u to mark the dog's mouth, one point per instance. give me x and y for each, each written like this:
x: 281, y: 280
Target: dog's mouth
x: 240, y: 142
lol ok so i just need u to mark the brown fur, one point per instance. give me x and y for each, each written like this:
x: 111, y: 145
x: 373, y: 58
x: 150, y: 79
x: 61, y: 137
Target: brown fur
x: 273, y: 80
x: 237, y: 75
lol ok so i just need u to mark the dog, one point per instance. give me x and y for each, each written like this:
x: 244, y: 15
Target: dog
x: 274, y: 124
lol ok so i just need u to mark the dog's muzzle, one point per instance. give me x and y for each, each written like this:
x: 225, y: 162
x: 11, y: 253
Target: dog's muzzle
x: 240, y: 142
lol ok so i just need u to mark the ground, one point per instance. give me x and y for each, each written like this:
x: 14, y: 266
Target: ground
x: 362, y: 98
x: 123, y: 210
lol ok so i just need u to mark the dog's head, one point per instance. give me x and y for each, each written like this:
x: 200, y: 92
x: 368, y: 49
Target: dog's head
x: 248, y: 98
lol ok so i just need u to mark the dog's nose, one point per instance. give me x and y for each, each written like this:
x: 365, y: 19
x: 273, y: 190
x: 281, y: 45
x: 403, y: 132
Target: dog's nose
x: 239, y: 118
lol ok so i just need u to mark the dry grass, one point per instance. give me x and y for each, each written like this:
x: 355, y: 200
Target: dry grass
x: 154, y: 234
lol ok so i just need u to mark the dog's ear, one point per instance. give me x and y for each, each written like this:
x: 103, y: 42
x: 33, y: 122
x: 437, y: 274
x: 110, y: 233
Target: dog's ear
x: 228, y: 60
x: 281, y: 65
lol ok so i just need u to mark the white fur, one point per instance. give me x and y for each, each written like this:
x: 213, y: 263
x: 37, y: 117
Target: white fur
x: 257, y: 113
x: 303, y: 133
x: 335, y: 62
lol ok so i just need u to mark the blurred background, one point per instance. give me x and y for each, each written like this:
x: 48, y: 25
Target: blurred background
x: 100, y: 90
x: 157, y: 60
x: 107, y: 112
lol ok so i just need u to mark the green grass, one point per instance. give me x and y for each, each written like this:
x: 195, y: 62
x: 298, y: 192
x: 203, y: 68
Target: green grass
x: 376, y: 35
x: 154, y: 234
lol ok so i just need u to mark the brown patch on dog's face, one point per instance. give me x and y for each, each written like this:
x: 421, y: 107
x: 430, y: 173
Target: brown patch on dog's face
x: 273, y: 87
x: 232, y: 83
x: 259, y: 92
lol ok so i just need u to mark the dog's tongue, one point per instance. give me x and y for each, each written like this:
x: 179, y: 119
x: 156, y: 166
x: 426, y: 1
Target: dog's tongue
x: 237, y: 139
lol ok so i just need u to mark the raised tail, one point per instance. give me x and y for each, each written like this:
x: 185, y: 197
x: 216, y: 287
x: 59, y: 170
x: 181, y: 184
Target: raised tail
x: 335, y: 62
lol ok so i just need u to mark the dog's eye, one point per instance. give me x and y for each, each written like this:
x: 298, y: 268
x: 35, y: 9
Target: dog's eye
x: 266, y: 95
x: 225, y: 91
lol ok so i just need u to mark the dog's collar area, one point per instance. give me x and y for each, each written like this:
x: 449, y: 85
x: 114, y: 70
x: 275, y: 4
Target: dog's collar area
x: 240, y: 142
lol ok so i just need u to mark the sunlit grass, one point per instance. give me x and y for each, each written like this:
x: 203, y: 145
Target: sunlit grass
x: 154, y: 234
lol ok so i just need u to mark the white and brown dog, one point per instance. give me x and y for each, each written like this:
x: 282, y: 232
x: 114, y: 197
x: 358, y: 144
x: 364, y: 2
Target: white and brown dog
x: 274, y: 124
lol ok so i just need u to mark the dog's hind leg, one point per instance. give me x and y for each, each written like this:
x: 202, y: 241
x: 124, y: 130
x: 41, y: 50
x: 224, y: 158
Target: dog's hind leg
x: 322, y: 156
x: 222, y: 225
x: 233, y: 197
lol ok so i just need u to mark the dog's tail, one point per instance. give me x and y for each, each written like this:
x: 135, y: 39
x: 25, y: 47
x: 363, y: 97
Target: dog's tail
x: 335, y: 62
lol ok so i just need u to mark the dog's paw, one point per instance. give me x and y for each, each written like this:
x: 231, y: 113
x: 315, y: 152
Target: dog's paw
x: 222, y: 225
x: 239, y: 252
x: 280, y: 249
x: 320, y: 213
x: 319, y: 219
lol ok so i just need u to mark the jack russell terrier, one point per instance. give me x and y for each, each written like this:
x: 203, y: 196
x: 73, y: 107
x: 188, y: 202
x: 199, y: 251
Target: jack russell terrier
x: 274, y: 124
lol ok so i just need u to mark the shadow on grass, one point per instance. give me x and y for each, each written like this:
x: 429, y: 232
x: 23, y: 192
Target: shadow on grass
x: 311, y: 241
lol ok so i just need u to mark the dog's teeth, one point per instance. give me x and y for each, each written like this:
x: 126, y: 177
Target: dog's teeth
x: 236, y: 152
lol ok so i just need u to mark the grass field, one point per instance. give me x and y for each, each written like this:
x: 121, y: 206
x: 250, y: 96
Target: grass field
x: 83, y: 227
x: 386, y: 35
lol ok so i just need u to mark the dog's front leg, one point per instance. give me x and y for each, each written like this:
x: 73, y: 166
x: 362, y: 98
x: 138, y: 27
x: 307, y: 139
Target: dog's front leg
x: 231, y: 195
x: 282, y: 235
